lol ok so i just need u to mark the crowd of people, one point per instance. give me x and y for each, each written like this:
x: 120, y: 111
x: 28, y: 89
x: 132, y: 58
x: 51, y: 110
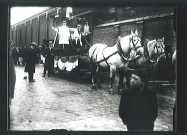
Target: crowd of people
x: 19, y: 54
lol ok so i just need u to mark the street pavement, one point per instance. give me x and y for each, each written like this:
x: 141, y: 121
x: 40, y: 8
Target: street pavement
x: 60, y: 103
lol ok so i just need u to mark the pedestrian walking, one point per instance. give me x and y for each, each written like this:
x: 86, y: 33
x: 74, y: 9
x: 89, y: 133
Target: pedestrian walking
x: 12, y: 78
x: 12, y: 82
x: 49, y: 59
x: 138, y: 107
x: 31, y: 58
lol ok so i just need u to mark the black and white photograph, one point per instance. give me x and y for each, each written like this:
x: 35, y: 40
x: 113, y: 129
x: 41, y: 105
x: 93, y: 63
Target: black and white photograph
x: 92, y: 68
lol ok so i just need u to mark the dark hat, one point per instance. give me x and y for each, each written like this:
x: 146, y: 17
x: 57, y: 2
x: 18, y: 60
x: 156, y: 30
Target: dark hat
x: 79, y: 25
x: 33, y: 44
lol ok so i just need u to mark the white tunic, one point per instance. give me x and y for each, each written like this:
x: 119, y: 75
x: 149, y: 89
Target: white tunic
x: 77, y: 36
x: 64, y: 34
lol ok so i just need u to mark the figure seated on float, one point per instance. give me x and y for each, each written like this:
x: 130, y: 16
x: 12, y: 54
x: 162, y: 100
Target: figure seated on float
x: 78, y: 40
x: 86, y: 36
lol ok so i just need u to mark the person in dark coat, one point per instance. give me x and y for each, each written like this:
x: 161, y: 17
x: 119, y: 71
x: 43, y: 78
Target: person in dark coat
x: 16, y: 54
x: 31, y: 61
x: 138, y: 107
x: 49, y: 59
x: 12, y: 78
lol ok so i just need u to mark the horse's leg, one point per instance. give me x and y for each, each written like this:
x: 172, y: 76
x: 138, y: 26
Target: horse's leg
x: 127, y: 75
x: 112, y: 77
x: 98, y: 77
x: 121, y: 85
x: 93, y: 72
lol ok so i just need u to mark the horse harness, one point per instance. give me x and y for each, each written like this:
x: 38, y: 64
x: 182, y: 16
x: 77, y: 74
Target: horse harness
x: 146, y: 53
x: 104, y: 58
x: 160, y: 41
x: 119, y: 51
x: 134, y: 44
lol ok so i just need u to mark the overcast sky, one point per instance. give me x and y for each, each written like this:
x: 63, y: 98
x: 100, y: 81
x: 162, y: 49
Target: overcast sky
x: 18, y: 14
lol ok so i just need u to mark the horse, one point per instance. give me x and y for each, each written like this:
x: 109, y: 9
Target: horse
x: 153, y: 51
x: 115, y: 57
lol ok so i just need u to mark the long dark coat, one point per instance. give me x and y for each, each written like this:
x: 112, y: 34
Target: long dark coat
x: 49, y: 58
x: 139, y: 109
x: 12, y: 77
x: 30, y: 60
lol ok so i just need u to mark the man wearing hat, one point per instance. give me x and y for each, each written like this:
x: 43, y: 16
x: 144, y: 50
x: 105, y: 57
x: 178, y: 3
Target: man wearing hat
x: 64, y: 35
x: 49, y: 59
x: 138, y: 107
x: 31, y: 58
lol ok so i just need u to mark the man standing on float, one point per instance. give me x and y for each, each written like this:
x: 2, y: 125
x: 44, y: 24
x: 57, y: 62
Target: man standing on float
x: 64, y: 35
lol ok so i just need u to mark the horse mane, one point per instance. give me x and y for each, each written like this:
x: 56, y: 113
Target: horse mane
x: 150, y: 42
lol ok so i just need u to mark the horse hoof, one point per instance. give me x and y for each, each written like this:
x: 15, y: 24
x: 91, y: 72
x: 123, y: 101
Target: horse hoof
x: 94, y: 87
x: 120, y: 91
x: 111, y: 92
x: 99, y: 86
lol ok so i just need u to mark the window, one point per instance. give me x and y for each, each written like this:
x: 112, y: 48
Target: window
x: 105, y: 15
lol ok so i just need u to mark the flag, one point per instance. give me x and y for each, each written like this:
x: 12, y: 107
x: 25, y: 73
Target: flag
x: 69, y: 12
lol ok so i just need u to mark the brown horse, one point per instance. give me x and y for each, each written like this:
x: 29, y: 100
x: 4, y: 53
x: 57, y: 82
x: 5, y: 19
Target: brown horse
x: 115, y: 57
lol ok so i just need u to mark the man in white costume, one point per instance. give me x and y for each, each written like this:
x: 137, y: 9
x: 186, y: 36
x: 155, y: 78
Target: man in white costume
x: 64, y: 35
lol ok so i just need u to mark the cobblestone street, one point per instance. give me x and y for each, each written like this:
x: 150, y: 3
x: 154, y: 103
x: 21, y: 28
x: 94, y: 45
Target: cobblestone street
x: 58, y: 103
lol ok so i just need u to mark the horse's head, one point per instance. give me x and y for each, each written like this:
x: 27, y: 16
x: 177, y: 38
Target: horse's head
x: 156, y: 48
x: 134, y: 40
x: 130, y: 44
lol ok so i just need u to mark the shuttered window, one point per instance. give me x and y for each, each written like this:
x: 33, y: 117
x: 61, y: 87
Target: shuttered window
x: 23, y: 35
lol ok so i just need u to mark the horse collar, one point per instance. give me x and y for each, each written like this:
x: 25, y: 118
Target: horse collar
x: 120, y: 52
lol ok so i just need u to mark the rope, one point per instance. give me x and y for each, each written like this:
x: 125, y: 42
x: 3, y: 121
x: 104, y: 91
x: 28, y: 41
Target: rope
x: 104, y: 56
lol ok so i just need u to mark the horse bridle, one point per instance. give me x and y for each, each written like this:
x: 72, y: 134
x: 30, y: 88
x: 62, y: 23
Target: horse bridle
x: 146, y: 53
x: 134, y: 44
x: 156, y: 46
x: 120, y: 51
